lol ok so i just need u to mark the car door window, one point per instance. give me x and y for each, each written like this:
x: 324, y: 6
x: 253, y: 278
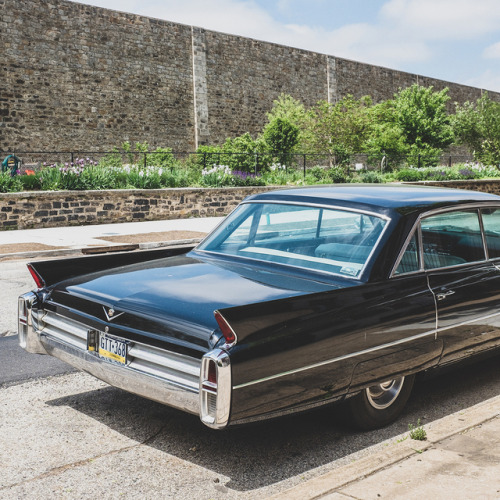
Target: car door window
x: 451, y: 238
x: 491, y: 223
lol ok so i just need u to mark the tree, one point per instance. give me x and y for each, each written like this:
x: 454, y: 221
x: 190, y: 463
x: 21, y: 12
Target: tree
x: 339, y: 129
x: 414, y: 125
x: 421, y: 115
x: 386, y: 138
x: 477, y: 126
x: 288, y: 108
x: 281, y: 136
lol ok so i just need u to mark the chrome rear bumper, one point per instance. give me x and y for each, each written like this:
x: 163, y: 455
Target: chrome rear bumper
x: 124, y: 377
x: 163, y: 376
x: 167, y: 377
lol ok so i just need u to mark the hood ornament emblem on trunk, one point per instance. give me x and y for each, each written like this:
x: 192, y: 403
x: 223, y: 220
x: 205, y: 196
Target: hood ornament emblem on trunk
x: 111, y: 314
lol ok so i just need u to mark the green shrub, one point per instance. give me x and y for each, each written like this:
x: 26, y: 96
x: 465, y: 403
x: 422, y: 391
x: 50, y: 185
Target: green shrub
x: 161, y: 157
x: 30, y: 182
x: 10, y: 184
x: 113, y: 159
x: 317, y: 173
x: 409, y: 175
x: 371, y: 178
x: 337, y: 175
x: 49, y: 178
x: 97, y: 177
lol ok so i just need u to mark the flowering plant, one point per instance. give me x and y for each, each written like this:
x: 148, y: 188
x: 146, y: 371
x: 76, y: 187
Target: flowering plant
x: 218, y: 175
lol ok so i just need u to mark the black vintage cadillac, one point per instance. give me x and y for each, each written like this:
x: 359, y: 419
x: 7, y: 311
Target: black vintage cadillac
x: 299, y: 298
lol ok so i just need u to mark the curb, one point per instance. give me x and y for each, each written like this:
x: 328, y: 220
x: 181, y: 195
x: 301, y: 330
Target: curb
x: 437, y: 431
x: 68, y: 252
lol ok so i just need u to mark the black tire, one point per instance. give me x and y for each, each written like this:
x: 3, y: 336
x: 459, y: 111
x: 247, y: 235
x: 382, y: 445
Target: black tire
x: 381, y: 404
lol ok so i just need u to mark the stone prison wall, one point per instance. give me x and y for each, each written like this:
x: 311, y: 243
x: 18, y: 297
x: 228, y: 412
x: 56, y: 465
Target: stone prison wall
x: 82, y: 78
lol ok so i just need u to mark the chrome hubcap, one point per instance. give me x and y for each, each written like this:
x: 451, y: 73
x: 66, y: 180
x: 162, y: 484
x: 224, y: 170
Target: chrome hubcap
x: 383, y: 395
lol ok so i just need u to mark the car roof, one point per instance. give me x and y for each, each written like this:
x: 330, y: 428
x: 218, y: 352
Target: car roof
x: 378, y: 198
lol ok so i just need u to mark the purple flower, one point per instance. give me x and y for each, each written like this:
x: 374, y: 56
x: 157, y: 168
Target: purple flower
x: 466, y: 172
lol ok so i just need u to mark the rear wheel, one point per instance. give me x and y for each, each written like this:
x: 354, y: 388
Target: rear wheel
x: 380, y: 404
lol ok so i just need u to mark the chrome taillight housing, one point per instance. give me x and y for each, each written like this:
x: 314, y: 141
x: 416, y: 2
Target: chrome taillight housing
x: 24, y: 320
x: 215, y: 389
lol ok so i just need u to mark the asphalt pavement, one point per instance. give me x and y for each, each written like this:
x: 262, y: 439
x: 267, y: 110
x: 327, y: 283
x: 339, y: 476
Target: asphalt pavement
x: 17, y: 365
x: 459, y: 459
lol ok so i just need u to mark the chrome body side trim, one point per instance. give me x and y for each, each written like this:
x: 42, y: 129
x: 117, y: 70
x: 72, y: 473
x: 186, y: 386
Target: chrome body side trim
x: 339, y: 358
x: 433, y: 332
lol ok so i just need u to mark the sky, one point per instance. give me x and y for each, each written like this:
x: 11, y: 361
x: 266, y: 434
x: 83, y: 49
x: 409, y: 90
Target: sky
x: 452, y: 40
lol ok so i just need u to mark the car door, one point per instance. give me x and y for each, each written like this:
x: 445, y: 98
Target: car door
x: 465, y: 283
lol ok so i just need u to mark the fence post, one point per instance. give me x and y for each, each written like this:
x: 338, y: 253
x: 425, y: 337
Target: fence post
x: 72, y: 158
x: 418, y: 161
x: 145, y: 159
x: 304, y: 166
x: 449, y: 162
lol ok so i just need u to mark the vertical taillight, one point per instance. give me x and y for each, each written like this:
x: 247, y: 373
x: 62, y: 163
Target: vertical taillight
x: 212, y: 372
x: 215, y: 388
x: 225, y: 328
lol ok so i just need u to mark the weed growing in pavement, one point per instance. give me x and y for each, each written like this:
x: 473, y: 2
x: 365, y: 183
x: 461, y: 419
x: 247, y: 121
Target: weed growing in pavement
x: 418, y: 433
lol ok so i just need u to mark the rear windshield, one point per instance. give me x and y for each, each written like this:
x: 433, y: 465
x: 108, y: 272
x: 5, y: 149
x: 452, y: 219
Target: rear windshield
x: 330, y: 240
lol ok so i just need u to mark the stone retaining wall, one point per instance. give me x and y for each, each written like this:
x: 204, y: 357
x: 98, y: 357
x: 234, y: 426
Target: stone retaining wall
x: 62, y: 208
x: 484, y: 185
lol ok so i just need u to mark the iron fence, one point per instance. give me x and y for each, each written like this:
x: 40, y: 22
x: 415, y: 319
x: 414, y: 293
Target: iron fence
x: 253, y: 162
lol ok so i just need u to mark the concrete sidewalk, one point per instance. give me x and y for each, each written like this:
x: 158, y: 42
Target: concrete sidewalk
x: 459, y: 460
x: 65, y: 241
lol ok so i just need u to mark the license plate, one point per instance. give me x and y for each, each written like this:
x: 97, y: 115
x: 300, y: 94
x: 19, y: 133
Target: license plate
x: 113, y: 349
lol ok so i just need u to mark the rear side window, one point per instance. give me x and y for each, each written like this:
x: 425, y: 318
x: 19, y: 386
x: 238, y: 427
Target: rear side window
x: 491, y: 224
x: 452, y: 238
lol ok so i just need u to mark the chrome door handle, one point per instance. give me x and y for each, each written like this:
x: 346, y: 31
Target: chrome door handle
x: 444, y: 294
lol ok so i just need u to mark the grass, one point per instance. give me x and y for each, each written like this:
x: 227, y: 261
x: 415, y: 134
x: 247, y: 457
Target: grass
x: 418, y: 433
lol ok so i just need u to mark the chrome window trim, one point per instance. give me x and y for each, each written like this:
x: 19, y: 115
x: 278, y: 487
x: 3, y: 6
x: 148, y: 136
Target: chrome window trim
x: 359, y: 277
x: 433, y: 332
x: 319, y: 205
x: 483, y: 234
x: 417, y: 227
x: 307, y: 269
